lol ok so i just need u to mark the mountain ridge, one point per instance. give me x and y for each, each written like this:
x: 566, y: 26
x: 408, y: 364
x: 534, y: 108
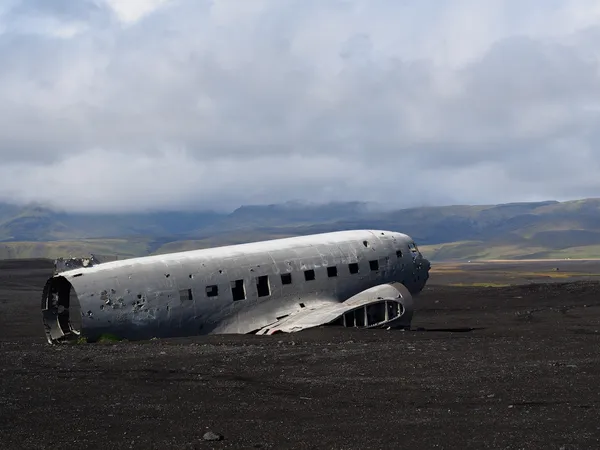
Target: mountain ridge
x: 452, y: 232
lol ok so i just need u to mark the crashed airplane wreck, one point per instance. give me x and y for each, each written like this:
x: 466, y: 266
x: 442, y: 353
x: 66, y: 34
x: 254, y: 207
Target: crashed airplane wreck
x: 358, y: 278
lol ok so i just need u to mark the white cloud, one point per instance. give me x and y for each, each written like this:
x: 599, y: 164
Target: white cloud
x: 215, y: 104
x: 130, y: 11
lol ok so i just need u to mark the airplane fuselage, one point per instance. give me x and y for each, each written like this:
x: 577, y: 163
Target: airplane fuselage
x: 232, y: 289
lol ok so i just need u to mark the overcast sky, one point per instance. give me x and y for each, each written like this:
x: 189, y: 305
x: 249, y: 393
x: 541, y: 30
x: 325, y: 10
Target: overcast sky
x: 122, y: 105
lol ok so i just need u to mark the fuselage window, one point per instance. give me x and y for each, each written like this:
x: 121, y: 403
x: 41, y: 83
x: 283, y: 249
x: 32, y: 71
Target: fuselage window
x: 374, y: 265
x: 353, y: 267
x: 262, y: 286
x: 332, y: 271
x: 286, y: 278
x: 309, y: 275
x: 212, y: 291
x: 399, y: 253
x: 185, y: 294
x: 237, y: 290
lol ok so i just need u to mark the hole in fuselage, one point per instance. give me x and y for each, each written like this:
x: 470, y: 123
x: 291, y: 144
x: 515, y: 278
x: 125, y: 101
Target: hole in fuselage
x: 61, y: 311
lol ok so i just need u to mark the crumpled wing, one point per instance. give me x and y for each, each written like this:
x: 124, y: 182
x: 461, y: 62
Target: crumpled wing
x: 387, y: 305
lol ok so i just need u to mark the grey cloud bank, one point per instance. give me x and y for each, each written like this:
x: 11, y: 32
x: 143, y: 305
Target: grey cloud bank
x: 123, y: 106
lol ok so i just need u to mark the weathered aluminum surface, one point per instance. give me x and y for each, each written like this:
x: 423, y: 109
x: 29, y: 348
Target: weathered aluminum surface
x: 166, y: 295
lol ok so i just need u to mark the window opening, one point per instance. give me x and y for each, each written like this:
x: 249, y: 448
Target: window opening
x: 212, y: 291
x: 353, y: 267
x: 262, y: 286
x: 237, y: 290
x: 332, y: 271
x: 309, y: 275
x: 286, y: 278
x: 185, y: 294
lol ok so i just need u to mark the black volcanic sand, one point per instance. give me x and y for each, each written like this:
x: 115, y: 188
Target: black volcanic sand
x: 527, y: 377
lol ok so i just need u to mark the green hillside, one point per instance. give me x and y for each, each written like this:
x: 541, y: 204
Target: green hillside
x: 508, y: 231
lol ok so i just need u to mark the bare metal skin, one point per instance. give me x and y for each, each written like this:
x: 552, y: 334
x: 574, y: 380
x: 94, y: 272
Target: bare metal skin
x: 281, y: 285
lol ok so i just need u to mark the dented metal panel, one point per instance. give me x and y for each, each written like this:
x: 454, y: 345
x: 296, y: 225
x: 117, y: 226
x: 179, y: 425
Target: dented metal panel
x: 224, y: 289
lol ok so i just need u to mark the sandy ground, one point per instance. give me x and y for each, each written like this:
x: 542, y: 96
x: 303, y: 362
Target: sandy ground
x: 524, y: 377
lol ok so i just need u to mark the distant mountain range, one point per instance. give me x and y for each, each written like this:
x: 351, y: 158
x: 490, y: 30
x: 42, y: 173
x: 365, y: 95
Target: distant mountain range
x: 508, y: 231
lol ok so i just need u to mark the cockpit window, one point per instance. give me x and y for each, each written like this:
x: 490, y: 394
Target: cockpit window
x: 413, y: 247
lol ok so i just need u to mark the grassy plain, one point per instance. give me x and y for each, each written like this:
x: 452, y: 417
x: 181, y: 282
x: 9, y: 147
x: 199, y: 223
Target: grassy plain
x: 504, y: 273
x: 485, y: 251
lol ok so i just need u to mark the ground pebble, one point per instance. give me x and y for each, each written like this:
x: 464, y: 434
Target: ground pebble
x: 211, y: 436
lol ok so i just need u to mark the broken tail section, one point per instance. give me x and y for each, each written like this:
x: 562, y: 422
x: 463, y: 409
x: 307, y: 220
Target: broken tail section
x: 60, y: 311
